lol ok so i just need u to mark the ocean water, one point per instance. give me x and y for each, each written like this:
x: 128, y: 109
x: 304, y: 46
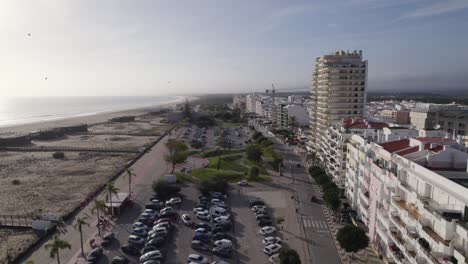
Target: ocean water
x: 24, y: 110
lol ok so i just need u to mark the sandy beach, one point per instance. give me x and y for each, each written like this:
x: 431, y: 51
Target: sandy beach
x: 34, y: 182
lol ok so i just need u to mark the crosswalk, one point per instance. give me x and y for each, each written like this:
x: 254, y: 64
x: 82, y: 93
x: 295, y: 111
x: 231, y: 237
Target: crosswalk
x: 310, y: 223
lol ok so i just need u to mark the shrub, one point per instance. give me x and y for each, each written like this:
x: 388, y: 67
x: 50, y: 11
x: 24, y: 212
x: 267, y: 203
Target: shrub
x: 196, y: 144
x: 254, y: 153
x: 15, y: 182
x: 256, y: 135
x: 322, y: 179
x: 58, y: 155
x: 289, y: 256
x: 352, y: 238
x: 165, y: 190
x: 254, y: 172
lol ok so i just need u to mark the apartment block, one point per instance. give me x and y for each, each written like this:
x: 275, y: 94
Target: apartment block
x: 338, y: 92
x: 334, y: 144
x: 412, y: 195
x: 449, y: 117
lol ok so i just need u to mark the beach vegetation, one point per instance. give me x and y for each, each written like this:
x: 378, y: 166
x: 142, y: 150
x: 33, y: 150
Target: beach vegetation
x: 58, y: 155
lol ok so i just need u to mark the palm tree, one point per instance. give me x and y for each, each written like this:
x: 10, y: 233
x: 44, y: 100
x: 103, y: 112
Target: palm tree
x: 130, y: 174
x: 111, y: 189
x: 98, y: 206
x: 55, y: 246
x: 312, y: 156
x: 80, y: 222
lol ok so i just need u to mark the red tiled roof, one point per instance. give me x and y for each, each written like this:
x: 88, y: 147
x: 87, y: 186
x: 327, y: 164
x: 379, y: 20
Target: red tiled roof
x: 397, y: 145
x: 361, y: 123
x: 408, y: 151
x: 437, y: 148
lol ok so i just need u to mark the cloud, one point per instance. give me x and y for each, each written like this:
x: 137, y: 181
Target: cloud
x: 438, y: 8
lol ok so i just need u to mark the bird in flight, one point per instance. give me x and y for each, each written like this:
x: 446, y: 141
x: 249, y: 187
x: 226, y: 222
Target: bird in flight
x: 45, y: 78
x: 29, y: 34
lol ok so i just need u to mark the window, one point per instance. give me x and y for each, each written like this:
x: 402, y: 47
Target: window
x: 450, y: 124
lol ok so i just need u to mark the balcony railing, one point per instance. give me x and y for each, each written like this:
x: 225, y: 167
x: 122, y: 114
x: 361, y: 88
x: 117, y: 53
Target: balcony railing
x: 412, y: 211
x: 435, y: 236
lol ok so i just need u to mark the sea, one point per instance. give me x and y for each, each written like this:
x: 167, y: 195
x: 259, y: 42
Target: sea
x: 25, y: 110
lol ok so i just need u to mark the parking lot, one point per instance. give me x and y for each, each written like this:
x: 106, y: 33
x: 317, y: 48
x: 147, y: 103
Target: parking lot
x: 209, y: 137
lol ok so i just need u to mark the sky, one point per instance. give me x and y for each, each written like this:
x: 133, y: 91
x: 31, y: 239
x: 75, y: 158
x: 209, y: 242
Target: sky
x: 151, y: 47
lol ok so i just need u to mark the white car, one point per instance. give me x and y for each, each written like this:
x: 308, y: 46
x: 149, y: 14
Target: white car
x: 223, y: 243
x: 166, y: 209
x: 267, y: 230
x: 274, y: 259
x: 202, y: 230
x: 174, y: 201
x: 165, y: 225
x: 271, y: 240
x: 140, y: 225
x: 187, y: 220
x: 197, y: 259
x: 150, y: 211
x: 204, y: 215
x: 141, y: 232
x: 258, y: 208
x: 221, y: 219
x: 152, y: 255
x: 243, y: 183
x: 136, y: 240
x: 158, y: 230
x: 272, y: 249
x: 218, y: 202
x: 199, y: 209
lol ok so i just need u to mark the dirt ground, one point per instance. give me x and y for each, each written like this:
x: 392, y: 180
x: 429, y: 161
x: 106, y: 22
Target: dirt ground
x: 17, y: 242
x: 98, y: 141
x: 146, y: 127
x: 52, y: 185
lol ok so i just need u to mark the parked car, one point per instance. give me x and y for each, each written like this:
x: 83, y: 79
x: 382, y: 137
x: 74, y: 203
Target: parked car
x: 120, y: 260
x: 203, y: 215
x: 203, y: 225
x: 222, y: 252
x: 253, y: 202
x: 258, y: 207
x: 152, y: 255
x: 130, y: 250
x: 166, y: 225
x: 159, y: 230
x: 152, y: 261
x: 187, y: 220
x: 267, y: 230
x: 222, y: 219
x: 202, y: 230
x: 264, y: 222
x: 218, y: 202
x: 272, y: 249
x: 274, y: 259
x: 136, y: 241
x: 107, y: 239
x: 94, y: 255
x: 153, y: 205
x: 141, y: 232
x: 197, y: 259
x: 148, y: 248
x: 202, y: 237
x: 199, y: 210
x: 163, y: 220
x: 262, y: 217
x: 156, y: 235
x: 157, y: 241
x: 167, y: 214
x: 271, y: 240
x: 140, y: 225
x: 221, y: 235
x: 223, y: 226
x: 166, y: 209
x: 174, y: 201
x: 200, y: 245
x: 223, y: 243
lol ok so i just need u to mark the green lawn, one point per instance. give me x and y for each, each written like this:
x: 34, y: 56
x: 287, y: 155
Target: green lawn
x: 215, y: 152
x: 212, y: 174
x: 230, y: 162
x: 184, y: 177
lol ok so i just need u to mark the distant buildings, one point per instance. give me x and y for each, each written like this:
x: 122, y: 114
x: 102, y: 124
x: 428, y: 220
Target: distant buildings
x: 338, y: 92
x: 411, y: 194
x: 449, y: 117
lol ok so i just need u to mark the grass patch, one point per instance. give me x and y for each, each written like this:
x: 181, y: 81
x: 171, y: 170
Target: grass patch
x: 184, y: 177
x: 191, y: 152
x: 213, y: 174
x: 250, y: 163
x: 216, y: 152
x: 259, y: 178
x: 227, y: 163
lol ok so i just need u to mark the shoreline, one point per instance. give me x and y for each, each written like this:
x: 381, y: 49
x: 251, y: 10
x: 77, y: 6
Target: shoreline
x: 88, y: 119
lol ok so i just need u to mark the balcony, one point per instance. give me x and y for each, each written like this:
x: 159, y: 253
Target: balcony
x: 397, y: 236
x: 428, y: 230
x: 411, y: 209
x: 398, y: 220
x: 396, y: 253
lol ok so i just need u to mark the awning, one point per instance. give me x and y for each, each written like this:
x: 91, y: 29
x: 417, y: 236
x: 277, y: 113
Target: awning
x: 117, y: 199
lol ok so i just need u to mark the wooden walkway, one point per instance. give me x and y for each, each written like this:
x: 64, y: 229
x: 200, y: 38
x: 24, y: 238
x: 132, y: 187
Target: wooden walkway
x: 16, y: 221
x: 77, y: 149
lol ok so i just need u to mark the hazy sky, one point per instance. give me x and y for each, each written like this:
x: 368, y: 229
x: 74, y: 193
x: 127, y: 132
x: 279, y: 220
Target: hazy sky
x: 98, y: 47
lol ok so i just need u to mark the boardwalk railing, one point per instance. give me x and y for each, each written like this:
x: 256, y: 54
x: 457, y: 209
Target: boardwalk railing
x: 16, y: 220
x: 78, y: 149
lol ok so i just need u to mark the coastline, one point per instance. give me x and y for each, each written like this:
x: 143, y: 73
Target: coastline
x: 82, y: 119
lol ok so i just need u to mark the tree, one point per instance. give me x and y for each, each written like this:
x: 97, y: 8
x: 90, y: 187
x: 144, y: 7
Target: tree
x: 254, y: 153
x: 111, y: 190
x: 352, y: 239
x: 312, y: 156
x: 80, y: 222
x: 332, y: 198
x: 98, y: 207
x: 130, y: 174
x: 175, y: 152
x: 55, y: 246
x: 289, y: 256
x: 165, y: 190
x: 186, y: 111
x: 293, y: 126
x: 254, y: 172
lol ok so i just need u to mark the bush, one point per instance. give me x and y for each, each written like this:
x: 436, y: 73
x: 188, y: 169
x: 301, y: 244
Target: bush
x: 289, y: 256
x: 256, y: 135
x: 58, y: 155
x: 15, y: 182
x: 254, y: 153
x: 352, y: 238
x: 332, y: 198
x: 322, y: 179
x: 196, y: 144
x: 165, y: 190
x: 254, y: 172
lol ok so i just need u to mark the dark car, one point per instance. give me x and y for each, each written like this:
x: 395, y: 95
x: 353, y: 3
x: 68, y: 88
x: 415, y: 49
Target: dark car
x: 120, y: 260
x: 225, y: 226
x: 130, y: 250
x: 95, y: 254
x: 220, y: 229
x: 202, y: 237
x: 155, y: 236
x: 264, y: 222
x: 222, y: 252
x: 162, y: 220
x: 107, y: 239
x: 255, y: 202
x: 167, y: 214
x: 221, y: 235
x: 263, y: 217
x: 203, y: 225
x: 148, y: 248
x: 153, y: 205
x: 200, y: 245
x: 157, y: 241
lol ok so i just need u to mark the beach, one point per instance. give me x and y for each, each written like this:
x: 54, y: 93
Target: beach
x: 33, y: 182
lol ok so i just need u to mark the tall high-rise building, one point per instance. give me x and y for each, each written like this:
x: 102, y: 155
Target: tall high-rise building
x: 338, y: 92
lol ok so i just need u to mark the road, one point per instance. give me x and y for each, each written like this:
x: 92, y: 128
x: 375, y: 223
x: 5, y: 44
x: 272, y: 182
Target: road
x: 321, y: 246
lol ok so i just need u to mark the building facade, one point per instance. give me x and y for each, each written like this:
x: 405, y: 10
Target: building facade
x: 411, y: 194
x: 449, y: 117
x: 338, y: 92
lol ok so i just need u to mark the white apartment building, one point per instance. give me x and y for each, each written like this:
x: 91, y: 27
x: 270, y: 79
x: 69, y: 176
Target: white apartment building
x: 449, y: 117
x: 338, y: 92
x: 334, y: 144
x: 251, y: 103
x: 412, y: 195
